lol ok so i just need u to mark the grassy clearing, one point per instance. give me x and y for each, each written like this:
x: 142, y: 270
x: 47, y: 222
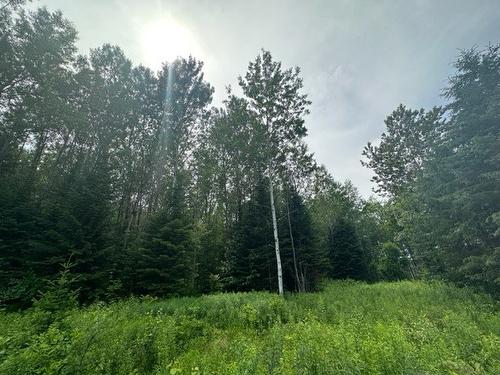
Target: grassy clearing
x: 348, y: 328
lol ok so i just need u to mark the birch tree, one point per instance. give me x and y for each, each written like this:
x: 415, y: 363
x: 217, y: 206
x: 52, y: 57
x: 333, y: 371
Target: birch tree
x: 279, y: 106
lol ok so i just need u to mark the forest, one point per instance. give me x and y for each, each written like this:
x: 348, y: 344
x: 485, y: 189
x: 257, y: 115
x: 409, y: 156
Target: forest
x: 119, y: 183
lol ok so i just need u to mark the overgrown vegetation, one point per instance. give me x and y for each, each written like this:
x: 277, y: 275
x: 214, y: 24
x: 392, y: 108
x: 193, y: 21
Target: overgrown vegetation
x: 121, y: 186
x: 150, y: 191
x: 349, y: 327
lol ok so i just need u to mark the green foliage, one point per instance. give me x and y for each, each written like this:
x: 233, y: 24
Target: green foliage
x: 349, y: 327
x: 58, y: 299
x: 348, y: 260
x: 304, y: 260
x: 250, y: 263
x: 166, y: 262
x: 154, y: 193
x: 443, y: 176
x: 209, y: 240
x: 393, y: 264
x: 85, y: 158
x: 276, y: 100
x: 456, y: 199
x: 404, y: 147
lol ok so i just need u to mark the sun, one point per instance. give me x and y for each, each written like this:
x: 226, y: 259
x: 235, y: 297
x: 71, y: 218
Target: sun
x: 164, y: 40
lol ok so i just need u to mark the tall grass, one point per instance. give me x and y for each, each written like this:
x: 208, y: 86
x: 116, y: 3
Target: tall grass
x: 348, y: 328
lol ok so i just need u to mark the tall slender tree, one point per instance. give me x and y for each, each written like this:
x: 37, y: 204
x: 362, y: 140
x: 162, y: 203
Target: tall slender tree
x: 279, y: 106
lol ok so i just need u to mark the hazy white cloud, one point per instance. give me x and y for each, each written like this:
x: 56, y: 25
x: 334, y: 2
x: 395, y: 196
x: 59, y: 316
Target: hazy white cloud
x: 359, y: 59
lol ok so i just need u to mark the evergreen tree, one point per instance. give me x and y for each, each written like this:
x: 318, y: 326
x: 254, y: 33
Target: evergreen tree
x: 346, y: 254
x: 304, y: 262
x: 458, y: 196
x: 211, y: 245
x: 249, y: 262
x: 167, y: 261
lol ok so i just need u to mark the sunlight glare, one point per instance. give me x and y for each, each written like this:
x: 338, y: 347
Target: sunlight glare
x: 165, y: 40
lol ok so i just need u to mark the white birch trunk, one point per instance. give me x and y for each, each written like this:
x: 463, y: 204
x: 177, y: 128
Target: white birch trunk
x: 276, y: 238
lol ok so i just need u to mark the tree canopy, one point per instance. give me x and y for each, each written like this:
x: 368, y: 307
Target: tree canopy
x: 129, y: 180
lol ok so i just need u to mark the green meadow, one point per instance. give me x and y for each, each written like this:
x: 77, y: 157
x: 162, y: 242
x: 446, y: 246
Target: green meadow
x: 403, y: 327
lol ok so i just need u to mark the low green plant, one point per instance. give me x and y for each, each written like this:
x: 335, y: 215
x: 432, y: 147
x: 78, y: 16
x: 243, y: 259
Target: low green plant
x: 58, y: 299
x: 406, y: 327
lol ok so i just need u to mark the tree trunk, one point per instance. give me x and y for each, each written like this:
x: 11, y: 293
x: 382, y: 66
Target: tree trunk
x: 276, y: 239
x: 299, y: 286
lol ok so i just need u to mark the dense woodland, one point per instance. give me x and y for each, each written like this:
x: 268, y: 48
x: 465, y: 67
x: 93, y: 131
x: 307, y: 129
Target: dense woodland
x: 116, y: 180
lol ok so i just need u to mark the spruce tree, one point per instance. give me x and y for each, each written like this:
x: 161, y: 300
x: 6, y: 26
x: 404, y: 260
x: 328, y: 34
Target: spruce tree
x: 458, y: 195
x: 346, y: 254
x: 249, y: 263
x: 304, y: 261
x: 166, y: 262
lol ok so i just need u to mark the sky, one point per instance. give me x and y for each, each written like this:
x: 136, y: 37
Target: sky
x: 359, y: 59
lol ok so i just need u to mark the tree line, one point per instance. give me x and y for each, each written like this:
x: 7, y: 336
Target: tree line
x: 136, y: 183
x: 440, y: 170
